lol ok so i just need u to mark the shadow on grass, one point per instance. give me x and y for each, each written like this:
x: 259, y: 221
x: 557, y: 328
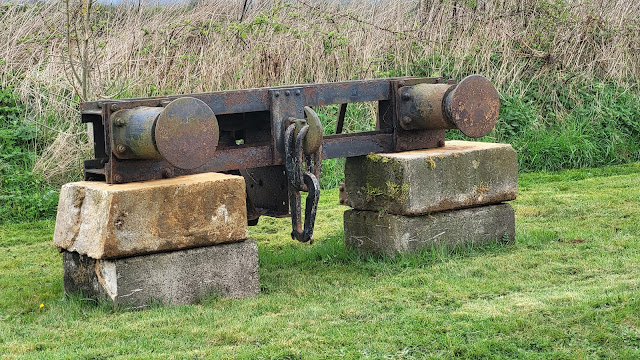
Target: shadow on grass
x: 331, y: 252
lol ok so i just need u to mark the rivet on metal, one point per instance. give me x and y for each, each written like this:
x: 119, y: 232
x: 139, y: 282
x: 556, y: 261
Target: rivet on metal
x: 276, y: 94
x: 406, y: 96
x: 406, y: 120
x: 297, y: 92
x: 120, y: 148
x: 115, y: 107
x: 117, y: 178
x: 119, y: 122
x: 287, y: 93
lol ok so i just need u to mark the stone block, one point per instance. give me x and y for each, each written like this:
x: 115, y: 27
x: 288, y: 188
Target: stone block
x: 106, y: 221
x: 461, y: 174
x: 177, y: 277
x: 372, y: 232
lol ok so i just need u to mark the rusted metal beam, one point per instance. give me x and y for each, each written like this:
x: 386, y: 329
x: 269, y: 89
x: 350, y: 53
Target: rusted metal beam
x: 244, y: 131
x: 257, y: 99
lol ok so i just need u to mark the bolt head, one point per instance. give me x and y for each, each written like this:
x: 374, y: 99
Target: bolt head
x: 115, y: 107
x: 120, y: 148
x: 297, y: 92
x: 119, y: 122
x: 287, y: 93
x: 167, y: 173
x: 117, y: 178
x: 276, y: 94
x: 406, y: 120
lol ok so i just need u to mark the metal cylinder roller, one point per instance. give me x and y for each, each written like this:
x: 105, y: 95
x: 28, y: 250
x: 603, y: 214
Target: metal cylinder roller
x: 185, y: 133
x: 133, y: 133
x: 472, y: 106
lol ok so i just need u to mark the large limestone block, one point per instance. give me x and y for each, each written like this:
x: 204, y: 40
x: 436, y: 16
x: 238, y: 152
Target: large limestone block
x: 372, y: 232
x: 106, y: 221
x: 177, y: 277
x: 460, y: 174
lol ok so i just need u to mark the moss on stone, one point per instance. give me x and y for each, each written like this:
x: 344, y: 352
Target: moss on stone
x: 397, y: 192
x: 378, y: 158
x: 371, y: 192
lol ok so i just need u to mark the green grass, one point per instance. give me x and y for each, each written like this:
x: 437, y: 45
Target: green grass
x: 568, y: 288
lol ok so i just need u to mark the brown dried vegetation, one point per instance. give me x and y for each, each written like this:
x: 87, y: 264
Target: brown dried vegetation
x: 147, y: 50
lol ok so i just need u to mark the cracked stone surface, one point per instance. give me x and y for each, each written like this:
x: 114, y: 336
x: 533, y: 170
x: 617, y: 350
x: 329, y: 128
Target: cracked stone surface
x: 106, y: 221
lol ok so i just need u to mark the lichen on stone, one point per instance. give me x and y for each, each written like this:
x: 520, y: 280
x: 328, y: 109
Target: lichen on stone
x: 432, y: 163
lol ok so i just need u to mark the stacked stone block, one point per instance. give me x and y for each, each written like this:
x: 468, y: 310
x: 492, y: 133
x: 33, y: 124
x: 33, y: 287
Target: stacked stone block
x: 444, y: 197
x: 167, y: 241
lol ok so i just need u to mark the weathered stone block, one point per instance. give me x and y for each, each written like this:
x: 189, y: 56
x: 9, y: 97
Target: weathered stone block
x: 177, y: 277
x: 386, y: 234
x: 460, y: 174
x: 109, y: 221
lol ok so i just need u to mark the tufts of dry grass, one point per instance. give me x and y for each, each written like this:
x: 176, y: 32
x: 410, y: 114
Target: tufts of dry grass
x: 212, y: 45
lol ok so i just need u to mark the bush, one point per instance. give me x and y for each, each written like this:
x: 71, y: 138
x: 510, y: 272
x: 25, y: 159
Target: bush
x: 23, y: 195
x: 591, y: 124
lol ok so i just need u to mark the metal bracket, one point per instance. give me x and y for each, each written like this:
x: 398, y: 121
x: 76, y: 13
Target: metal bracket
x: 285, y: 103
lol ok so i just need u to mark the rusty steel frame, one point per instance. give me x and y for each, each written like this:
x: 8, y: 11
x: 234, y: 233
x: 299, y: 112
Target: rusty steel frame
x: 252, y: 127
x: 263, y: 134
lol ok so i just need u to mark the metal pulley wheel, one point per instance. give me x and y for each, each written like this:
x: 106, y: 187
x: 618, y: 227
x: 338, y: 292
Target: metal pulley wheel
x: 185, y: 133
x: 472, y: 106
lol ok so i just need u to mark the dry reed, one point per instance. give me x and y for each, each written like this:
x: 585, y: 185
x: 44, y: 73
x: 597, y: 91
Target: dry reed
x: 203, y: 46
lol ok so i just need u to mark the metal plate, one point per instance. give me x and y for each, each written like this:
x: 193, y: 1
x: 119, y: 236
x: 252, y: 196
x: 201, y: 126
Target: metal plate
x: 419, y: 139
x: 473, y: 106
x: 187, y: 133
x: 267, y: 190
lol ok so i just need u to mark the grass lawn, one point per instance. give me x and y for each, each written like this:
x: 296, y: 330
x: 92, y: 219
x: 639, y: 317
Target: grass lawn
x: 568, y: 288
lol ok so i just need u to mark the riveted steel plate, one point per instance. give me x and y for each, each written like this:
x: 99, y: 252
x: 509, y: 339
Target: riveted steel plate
x: 187, y: 133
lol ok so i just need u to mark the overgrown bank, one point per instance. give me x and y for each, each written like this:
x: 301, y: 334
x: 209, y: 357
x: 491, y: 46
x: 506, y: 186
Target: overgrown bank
x: 599, y: 126
x: 567, y: 70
